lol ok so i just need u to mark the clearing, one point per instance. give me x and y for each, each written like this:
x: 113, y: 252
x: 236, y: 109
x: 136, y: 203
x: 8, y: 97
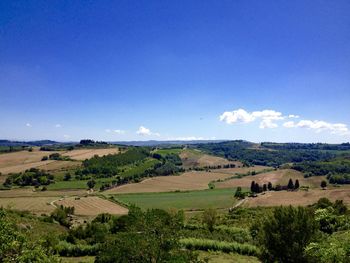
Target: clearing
x: 92, y: 206
x: 191, y: 200
x: 275, y: 177
x: 195, y: 180
x: 299, y: 197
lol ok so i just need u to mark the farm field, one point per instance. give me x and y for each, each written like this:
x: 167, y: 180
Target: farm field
x: 275, y: 177
x: 301, y: 198
x: 82, y: 154
x: 195, y: 158
x: 92, y: 206
x: 36, y: 205
x: 195, y: 180
x: 20, y: 161
x: 190, y: 201
x: 226, y: 257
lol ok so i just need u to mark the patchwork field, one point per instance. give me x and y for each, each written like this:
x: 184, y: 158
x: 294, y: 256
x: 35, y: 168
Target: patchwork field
x: 89, y: 153
x: 275, y: 177
x: 299, y: 197
x: 195, y: 180
x: 194, y: 158
x: 190, y: 200
x: 91, y: 206
x: 20, y: 161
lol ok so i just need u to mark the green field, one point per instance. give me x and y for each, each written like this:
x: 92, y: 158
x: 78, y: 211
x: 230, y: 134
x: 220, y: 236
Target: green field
x: 137, y: 169
x: 191, y: 200
x: 169, y: 151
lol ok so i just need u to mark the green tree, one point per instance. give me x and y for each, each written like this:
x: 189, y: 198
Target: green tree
x: 239, y: 194
x: 285, y: 233
x: 323, y: 184
x: 209, y: 218
x: 91, y: 183
x: 269, y: 186
x: 15, y: 247
x: 296, y: 185
x: 290, y: 184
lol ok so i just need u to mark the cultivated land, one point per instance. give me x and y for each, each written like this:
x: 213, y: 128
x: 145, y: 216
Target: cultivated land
x: 91, y: 206
x: 275, y: 177
x: 190, y: 200
x: 299, y: 197
x: 20, y: 161
x: 82, y: 154
x: 195, y: 180
x: 194, y: 158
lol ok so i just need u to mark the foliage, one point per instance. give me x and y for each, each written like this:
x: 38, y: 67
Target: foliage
x: 15, y: 247
x: 209, y: 218
x: 61, y: 215
x: 285, y: 233
x: 227, y: 247
x: 33, y: 176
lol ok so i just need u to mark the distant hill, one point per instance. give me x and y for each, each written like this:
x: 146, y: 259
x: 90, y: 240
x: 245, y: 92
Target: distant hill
x: 27, y: 143
x: 164, y: 143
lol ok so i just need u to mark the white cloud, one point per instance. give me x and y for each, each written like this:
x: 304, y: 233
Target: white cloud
x: 115, y: 131
x: 267, y: 117
x: 143, y: 131
x: 28, y: 125
x: 58, y: 125
x: 289, y: 124
x: 319, y: 126
x: 293, y: 116
x: 66, y: 136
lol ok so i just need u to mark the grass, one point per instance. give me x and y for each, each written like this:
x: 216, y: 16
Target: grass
x: 212, y: 257
x: 169, y: 151
x: 77, y: 259
x: 139, y: 168
x: 189, y: 200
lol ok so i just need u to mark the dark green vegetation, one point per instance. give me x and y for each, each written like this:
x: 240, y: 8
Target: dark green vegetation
x: 318, y: 233
x: 337, y: 170
x: 250, y: 154
x: 131, y: 166
x: 33, y: 177
x: 10, y: 149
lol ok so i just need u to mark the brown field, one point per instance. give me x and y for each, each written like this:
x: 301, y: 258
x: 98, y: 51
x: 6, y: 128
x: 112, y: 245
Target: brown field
x: 36, y: 205
x: 195, y: 158
x: 195, y: 180
x: 275, y: 177
x: 299, y: 197
x: 91, y: 206
x: 89, y: 153
x: 20, y: 161
x: 30, y: 192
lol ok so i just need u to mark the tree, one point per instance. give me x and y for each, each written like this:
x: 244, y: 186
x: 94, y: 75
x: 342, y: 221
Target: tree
x: 285, y: 233
x: 296, y: 185
x: 269, y: 186
x: 209, y: 218
x: 323, y: 184
x: 290, y: 184
x: 239, y: 194
x: 67, y: 177
x: 15, y: 247
x: 252, y: 187
x: 257, y: 188
x: 264, y: 187
x: 91, y: 183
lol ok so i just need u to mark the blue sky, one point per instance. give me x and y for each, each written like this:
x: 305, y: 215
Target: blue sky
x: 140, y: 70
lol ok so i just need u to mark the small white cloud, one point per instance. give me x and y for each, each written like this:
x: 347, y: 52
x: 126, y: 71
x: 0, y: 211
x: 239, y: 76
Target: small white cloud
x: 292, y: 116
x: 28, y: 125
x: 267, y: 123
x: 66, y: 136
x: 319, y: 126
x: 143, y: 131
x: 58, y: 125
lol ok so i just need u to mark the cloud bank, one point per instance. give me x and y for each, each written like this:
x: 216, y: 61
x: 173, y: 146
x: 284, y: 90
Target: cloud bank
x: 270, y: 118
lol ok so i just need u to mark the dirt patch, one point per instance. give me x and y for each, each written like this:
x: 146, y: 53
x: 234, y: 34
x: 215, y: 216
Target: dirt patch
x: 195, y: 180
x: 92, y: 206
x: 299, y: 197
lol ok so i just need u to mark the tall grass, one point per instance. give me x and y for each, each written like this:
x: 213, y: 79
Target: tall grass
x: 227, y: 247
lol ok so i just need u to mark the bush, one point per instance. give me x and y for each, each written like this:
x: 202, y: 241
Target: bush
x: 226, y: 247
